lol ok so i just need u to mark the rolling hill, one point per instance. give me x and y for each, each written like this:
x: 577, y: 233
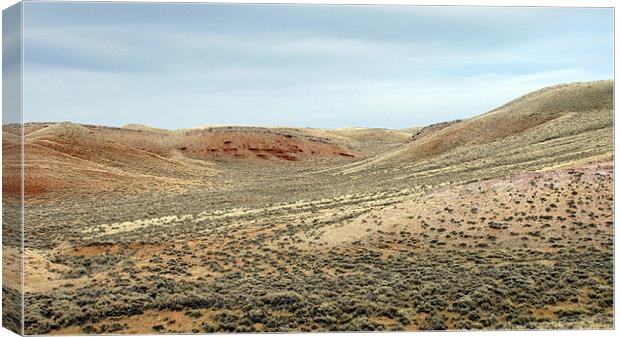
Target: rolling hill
x: 551, y: 127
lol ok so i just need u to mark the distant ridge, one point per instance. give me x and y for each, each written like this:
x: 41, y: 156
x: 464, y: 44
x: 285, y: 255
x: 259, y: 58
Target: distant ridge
x: 561, y: 112
x: 554, y: 126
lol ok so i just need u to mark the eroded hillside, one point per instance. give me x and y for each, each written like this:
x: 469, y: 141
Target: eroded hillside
x: 67, y: 159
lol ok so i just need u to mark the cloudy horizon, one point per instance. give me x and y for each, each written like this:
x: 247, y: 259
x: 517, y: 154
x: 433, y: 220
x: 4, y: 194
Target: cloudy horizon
x: 183, y: 65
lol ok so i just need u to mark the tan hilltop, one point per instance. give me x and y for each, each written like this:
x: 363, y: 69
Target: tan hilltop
x: 571, y: 121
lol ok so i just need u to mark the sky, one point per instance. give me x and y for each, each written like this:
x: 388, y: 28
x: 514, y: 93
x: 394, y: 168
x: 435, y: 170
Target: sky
x: 185, y: 65
x: 11, y: 61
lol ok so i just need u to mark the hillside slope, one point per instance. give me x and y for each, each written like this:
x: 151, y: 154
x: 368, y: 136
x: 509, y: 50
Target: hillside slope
x: 553, y: 126
x: 71, y: 158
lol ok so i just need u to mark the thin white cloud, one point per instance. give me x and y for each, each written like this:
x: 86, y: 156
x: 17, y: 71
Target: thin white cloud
x: 150, y: 73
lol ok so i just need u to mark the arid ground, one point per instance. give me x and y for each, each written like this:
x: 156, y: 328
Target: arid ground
x: 500, y: 221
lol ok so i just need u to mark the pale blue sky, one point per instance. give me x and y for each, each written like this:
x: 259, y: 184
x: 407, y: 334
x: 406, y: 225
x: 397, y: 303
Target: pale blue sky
x: 183, y: 65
